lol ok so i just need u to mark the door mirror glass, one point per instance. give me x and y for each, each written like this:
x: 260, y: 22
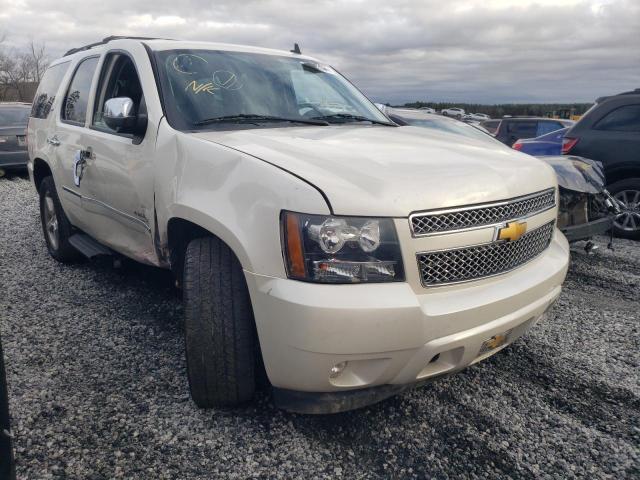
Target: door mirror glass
x: 119, y: 114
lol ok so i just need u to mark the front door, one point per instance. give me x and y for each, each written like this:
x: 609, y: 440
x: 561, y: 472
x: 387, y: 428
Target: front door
x: 119, y: 167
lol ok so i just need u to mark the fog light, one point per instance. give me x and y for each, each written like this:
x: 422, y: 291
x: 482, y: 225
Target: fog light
x: 337, y: 369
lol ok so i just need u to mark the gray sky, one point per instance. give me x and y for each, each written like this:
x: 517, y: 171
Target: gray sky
x: 487, y: 51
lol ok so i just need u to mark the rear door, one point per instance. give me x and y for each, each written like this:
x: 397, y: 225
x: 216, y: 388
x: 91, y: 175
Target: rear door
x: 65, y: 139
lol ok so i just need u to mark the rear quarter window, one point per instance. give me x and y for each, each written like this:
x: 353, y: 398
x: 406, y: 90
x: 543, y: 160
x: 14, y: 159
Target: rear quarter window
x: 622, y: 119
x: 46, y: 93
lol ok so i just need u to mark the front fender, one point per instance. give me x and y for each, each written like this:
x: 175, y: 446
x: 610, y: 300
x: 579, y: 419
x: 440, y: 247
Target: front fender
x: 236, y: 197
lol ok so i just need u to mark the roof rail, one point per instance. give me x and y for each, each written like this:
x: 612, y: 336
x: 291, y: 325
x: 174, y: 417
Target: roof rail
x: 107, y: 40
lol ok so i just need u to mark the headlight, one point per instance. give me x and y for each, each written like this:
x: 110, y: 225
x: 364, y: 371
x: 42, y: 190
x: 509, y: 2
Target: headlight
x: 333, y: 249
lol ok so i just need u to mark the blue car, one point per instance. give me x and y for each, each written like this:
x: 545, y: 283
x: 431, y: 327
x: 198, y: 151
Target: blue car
x: 547, y: 144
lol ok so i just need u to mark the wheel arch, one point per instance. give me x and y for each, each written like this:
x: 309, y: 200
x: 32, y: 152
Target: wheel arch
x: 41, y: 170
x: 622, y: 173
x: 183, y: 228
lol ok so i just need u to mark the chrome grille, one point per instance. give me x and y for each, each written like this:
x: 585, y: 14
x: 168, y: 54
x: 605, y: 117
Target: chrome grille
x: 474, y: 216
x: 480, y: 261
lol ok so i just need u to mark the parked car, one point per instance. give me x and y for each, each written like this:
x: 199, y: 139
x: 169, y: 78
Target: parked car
x: 547, y: 144
x: 610, y: 133
x: 586, y: 208
x: 13, y: 129
x: 7, y: 464
x: 453, y: 112
x: 510, y: 129
x: 475, y: 117
x: 427, y: 110
x: 354, y: 258
x: 418, y: 118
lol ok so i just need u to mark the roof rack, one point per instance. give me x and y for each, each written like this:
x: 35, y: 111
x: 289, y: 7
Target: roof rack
x: 107, y: 40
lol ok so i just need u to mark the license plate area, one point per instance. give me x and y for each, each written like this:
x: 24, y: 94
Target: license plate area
x: 495, y: 342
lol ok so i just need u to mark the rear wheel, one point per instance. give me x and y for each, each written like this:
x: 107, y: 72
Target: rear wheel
x: 627, y: 194
x: 219, y: 327
x: 55, y: 225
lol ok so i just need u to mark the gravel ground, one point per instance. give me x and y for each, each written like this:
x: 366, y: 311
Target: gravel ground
x: 97, y: 384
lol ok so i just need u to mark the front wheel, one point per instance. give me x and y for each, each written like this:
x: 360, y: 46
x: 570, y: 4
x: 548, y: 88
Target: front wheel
x: 627, y: 194
x: 220, y: 335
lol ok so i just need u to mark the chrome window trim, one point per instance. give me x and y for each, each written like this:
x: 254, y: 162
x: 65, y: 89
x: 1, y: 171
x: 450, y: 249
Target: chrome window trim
x: 478, y: 206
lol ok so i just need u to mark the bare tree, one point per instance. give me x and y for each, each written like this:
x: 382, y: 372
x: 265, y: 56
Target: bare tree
x: 20, y: 71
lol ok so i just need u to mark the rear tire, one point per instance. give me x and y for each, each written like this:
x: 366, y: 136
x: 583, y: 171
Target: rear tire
x: 219, y: 326
x: 627, y: 193
x: 55, y: 225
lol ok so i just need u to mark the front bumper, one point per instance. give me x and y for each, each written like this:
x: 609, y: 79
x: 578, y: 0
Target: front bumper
x: 389, y: 334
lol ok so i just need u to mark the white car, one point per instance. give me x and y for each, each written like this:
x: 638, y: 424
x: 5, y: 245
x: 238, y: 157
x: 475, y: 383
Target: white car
x: 453, y: 112
x: 314, y: 240
x: 476, y: 117
x: 427, y: 110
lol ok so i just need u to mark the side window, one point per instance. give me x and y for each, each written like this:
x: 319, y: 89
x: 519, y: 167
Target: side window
x: 74, y: 109
x: 622, y: 119
x: 547, y: 127
x: 47, y: 90
x: 118, y: 78
x: 522, y: 129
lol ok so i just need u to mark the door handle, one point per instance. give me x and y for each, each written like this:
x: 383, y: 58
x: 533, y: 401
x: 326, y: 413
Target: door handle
x: 53, y: 141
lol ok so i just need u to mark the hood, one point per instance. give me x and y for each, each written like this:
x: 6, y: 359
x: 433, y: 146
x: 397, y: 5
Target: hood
x: 577, y: 173
x: 386, y: 171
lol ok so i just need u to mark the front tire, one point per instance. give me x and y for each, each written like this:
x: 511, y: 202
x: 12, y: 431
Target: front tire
x: 55, y: 225
x: 627, y: 194
x: 219, y: 326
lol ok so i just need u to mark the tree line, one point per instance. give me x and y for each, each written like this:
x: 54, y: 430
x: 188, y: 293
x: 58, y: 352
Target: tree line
x: 497, y: 111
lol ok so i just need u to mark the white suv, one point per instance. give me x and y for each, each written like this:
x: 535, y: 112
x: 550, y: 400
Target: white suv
x: 314, y: 240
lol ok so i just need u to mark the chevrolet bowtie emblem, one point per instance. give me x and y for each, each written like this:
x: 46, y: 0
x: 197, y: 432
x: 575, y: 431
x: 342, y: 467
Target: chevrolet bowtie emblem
x: 512, y: 231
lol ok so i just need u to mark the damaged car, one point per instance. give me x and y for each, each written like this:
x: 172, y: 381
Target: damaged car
x: 316, y: 243
x: 585, y: 209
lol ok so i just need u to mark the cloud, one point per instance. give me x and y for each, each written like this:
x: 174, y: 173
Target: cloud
x: 460, y: 50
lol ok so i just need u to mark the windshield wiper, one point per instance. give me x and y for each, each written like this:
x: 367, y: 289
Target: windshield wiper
x: 250, y: 117
x: 347, y: 117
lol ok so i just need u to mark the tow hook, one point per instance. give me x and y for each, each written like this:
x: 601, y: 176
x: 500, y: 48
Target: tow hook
x: 590, y: 247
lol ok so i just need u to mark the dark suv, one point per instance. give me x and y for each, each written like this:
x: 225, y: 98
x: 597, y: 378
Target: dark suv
x: 610, y: 133
x: 510, y: 129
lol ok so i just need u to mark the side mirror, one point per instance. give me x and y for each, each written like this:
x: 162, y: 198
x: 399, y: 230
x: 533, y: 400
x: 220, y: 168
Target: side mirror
x: 119, y: 114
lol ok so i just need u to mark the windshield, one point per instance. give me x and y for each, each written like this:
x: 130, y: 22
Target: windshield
x: 204, y: 88
x: 14, y: 116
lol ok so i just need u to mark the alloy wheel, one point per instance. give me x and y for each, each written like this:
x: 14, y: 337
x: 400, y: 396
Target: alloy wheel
x: 51, y: 221
x: 629, y: 202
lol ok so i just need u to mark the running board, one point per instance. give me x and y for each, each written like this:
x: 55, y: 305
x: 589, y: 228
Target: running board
x: 88, y: 246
